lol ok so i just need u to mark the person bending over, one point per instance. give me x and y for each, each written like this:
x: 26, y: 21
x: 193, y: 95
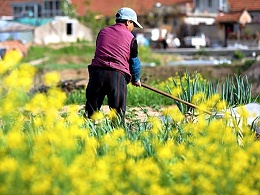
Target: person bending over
x: 115, y: 64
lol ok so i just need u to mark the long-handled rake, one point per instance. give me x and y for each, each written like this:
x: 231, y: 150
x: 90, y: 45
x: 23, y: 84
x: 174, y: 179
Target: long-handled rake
x: 175, y: 98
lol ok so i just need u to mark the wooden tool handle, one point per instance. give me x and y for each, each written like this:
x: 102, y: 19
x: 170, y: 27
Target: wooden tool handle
x: 175, y: 98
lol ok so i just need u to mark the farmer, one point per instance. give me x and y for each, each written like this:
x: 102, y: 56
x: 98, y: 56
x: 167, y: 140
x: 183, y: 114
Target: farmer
x: 115, y: 64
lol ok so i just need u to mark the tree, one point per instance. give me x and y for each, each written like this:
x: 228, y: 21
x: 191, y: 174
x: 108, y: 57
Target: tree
x: 94, y: 20
x: 68, y: 9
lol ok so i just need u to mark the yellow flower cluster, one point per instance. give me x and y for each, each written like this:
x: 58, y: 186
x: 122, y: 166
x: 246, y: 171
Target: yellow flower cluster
x: 45, y: 150
x: 10, y: 59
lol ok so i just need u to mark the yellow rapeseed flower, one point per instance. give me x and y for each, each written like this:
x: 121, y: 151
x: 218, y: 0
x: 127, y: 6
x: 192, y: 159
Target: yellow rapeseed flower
x: 13, y: 55
x: 214, y: 99
x: 201, y: 142
x: 182, y: 189
x: 156, y: 124
x: 25, y: 77
x: 221, y: 105
x: 215, y: 127
x: 72, y: 108
x: 41, y: 186
x: 28, y: 172
x: 118, y: 133
x: 52, y: 78
x: 74, y: 119
x: 242, y: 189
x: 97, y: 116
x: 204, y: 184
x: 135, y: 149
x: 120, y: 156
x: 165, y: 152
x: 102, y: 166
x: 56, y: 98
x: 38, y: 121
x: 21, y: 78
x: 37, y: 104
x: 91, y: 145
x: 8, y: 164
x: 10, y: 80
x: 180, y: 149
x: 112, y: 114
x: 176, y: 91
x: 203, y: 106
x: 15, y: 140
x: 177, y: 169
x: 229, y: 137
x: 242, y: 161
x: 158, y: 189
x: 4, y: 66
x: 198, y: 97
x: 68, y: 141
x: 80, y: 186
x: 243, y: 112
x: 77, y: 132
x: 109, y: 141
x: 7, y: 106
x: 174, y: 113
x: 10, y: 59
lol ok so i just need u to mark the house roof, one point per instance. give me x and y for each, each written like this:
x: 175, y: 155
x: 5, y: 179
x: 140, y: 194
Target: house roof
x: 240, y: 5
x: 7, y: 26
x: 15, y: 44
x: 109, y: 8
x: 228, y: 17
x: 237, y: 8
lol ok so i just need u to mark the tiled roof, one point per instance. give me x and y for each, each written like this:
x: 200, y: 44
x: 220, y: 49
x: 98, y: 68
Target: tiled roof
x: 109, y: 8
x: 236, y: 9
x: 15, y: 44
x: 240, y: 5
x: 228, y: 17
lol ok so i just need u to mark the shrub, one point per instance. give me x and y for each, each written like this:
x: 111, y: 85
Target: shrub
x: 238, y: 55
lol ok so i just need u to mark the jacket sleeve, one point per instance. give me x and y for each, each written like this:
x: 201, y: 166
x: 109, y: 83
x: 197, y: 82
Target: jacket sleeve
x: 134, y: 62
x: 135, y: 68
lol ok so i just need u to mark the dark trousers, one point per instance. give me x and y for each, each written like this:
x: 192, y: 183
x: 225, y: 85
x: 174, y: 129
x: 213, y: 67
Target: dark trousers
x: 106, y: 82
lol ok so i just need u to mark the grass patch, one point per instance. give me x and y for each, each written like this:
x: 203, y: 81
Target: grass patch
x: 78, y: 55
x: 73, y: 56
x: 59, y: 67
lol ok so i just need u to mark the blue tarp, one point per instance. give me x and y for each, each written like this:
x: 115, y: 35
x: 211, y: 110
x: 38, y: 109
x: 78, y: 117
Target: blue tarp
x: 33, y: 21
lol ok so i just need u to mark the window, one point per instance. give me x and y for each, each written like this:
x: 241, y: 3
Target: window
x: 17, y: 11
x: 48, y: 5
x: 29, y: 11
x: 210, y: 3
x: 52, y: 8
x: 25, y: 10
x: 255, y: 17
x: 175, y: 23
x: 197, y: 3
x: 58, y: 5
x: 47, y: 9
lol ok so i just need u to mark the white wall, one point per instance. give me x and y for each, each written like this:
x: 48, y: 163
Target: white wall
x: 56, y: 32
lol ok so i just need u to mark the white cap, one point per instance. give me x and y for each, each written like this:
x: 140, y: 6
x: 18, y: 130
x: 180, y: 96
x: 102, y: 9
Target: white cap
x: 126, y: 13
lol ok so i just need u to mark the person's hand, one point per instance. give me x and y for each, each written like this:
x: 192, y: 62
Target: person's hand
x: 137, y: 83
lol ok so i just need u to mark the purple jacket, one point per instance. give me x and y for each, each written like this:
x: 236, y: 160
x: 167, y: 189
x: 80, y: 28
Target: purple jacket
x: 113, y: 48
